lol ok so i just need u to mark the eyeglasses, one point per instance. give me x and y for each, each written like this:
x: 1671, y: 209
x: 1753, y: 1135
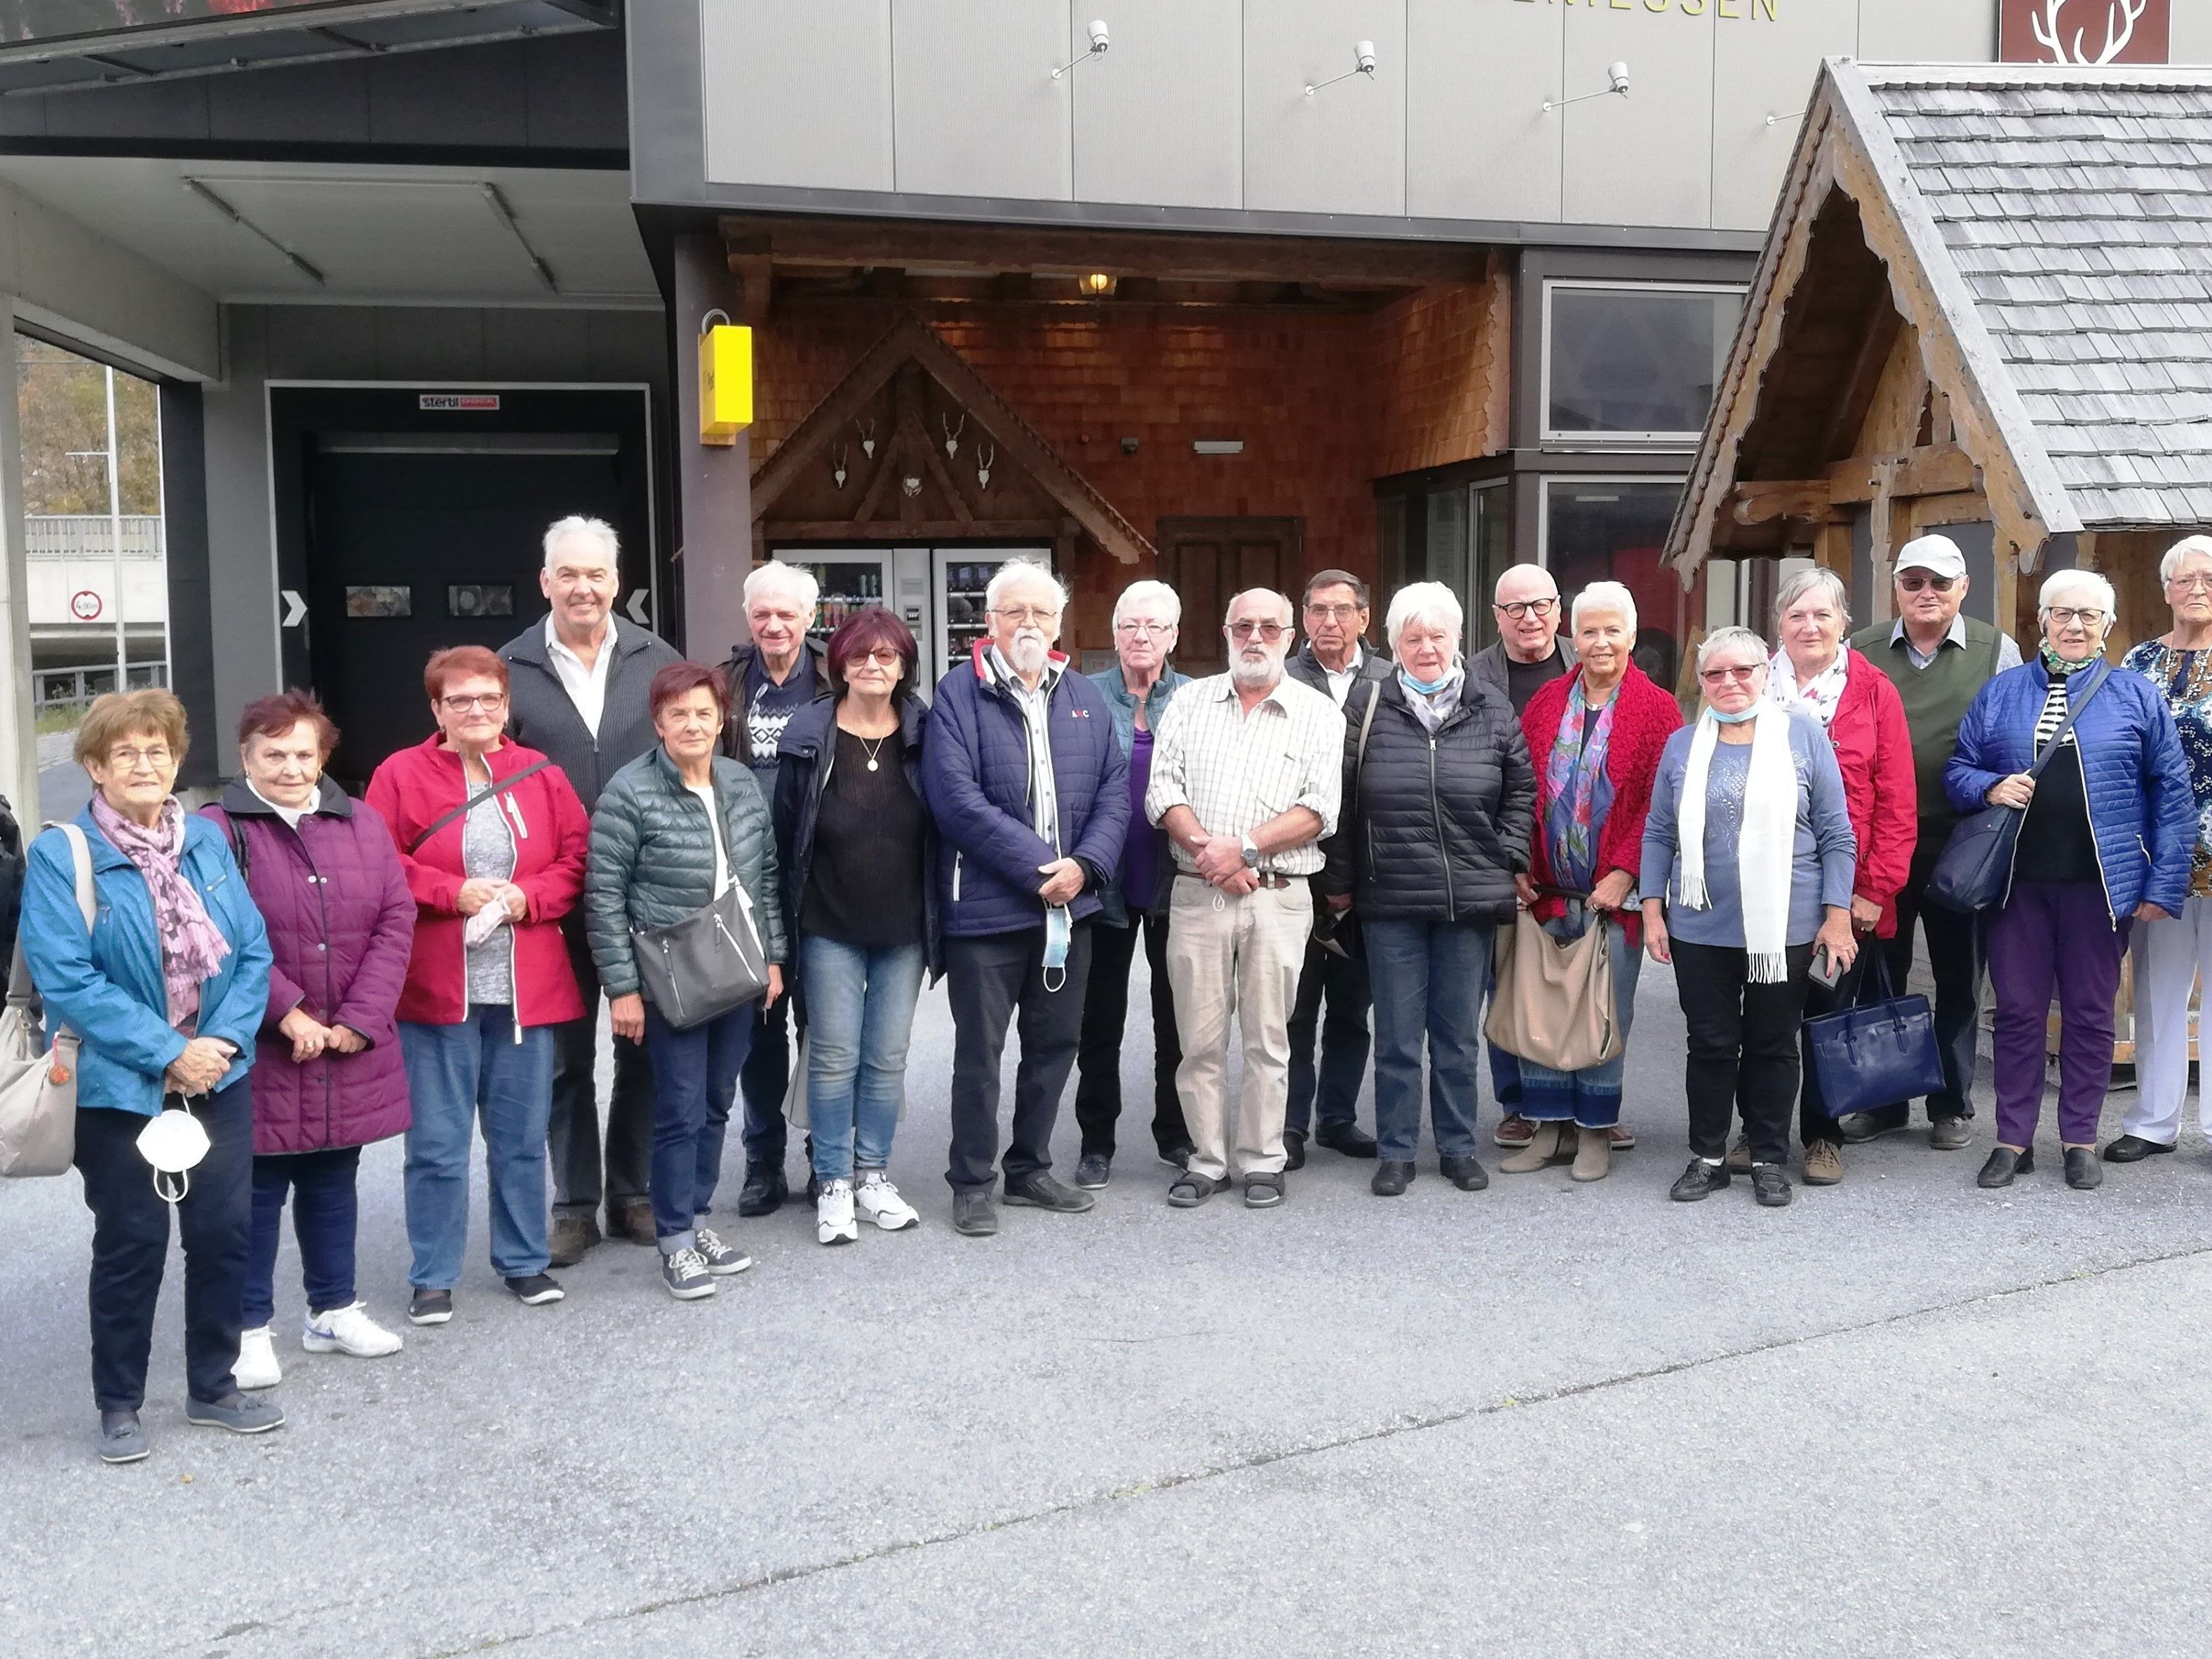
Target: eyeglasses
x: 1914, y: 583
x: 883, y: 657
x: 1138, y: 629
x: 1333, y: 612
x: 1741, y: 673
x: 2066, y: 615
x: 130, y: 760
x: 2199, y: 583
x: 1258, y: 630
x: 1023, y: 614
x: 488, y: 701
x: 1520, y: 608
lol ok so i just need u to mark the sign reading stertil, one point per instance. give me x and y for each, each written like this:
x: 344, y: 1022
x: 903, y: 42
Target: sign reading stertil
x: 2083, y: 31
x: 1762, y: 10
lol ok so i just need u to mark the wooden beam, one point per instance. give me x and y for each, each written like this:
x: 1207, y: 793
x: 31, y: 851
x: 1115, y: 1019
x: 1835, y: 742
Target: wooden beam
x: 1832, y: 550
x: 830, y: 530
x: 902, y: 243
x: 1851, y: 417
x: 1965, y: 507
x: 1937, y: 469
x: 1764, y: 502
x: 755, y: 273
x: 830, y: 416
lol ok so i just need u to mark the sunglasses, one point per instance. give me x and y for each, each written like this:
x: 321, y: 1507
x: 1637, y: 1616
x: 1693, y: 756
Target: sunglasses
x: 1741, y: 675
x: 1913, y: 583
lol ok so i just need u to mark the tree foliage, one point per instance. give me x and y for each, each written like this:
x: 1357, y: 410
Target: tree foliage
x: 62, y: 400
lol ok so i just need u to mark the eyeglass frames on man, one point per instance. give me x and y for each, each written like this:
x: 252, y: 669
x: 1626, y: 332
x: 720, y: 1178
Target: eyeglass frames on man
x: 1517, y: 608
x: 1137, y: 629
x: 1023, y: 614
x: 1913, y: 581
x: 1260, y: 630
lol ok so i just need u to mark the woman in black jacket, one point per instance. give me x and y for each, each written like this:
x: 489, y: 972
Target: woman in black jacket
x: 857, y: 844
x: 1439, y: 801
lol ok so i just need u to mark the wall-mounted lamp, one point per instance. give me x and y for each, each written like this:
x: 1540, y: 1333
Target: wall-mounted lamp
x: 1097, y: 284
x: 1363, y: 63
x: 1616, y: 74
x: 1098, y: 43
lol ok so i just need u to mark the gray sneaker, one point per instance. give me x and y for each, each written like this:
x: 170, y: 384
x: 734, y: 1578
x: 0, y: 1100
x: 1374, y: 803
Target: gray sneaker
x: 973, y: 1213
x: 121, y: 1438
x: 684, y: 1274
x: 1948, y: 1134
x: 721, y: 1258
x: 243, y: 1414
x: 1859, y: 1127
x: 1093, y: 1172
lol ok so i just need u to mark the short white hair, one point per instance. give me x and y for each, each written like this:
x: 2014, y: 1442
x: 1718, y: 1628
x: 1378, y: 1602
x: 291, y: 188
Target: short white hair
x: 1815, y: 577
x: 2064, y: 582
x: 1020, y: 570
x: 1738, y: 636
x: 794, y: 580
x: 2187, y: 548
x: 1150, y: 592
x: 1603, y: 596
x: 1423, y: 602
x: 577, y: 524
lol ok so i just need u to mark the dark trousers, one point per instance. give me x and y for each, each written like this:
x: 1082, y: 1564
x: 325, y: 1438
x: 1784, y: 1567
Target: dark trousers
x: 2055, y: 936
x: 1342, y: 980
x: 325, y: 1211
x: 991, y: 981
x: 1815, y: 1122
x: 1743, y: 1047
x: 1106, y: 1016
x: 695, y: 1080
x: 131, y: 1244
x: 572, y: 1132
x: 764, y: 1081
x: 1956, y: 956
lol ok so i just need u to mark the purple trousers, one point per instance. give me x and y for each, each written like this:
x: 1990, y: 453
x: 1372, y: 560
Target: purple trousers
x: 2054, y: 936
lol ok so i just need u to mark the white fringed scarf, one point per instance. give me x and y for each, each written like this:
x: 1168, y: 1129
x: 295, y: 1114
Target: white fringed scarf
x: 1768, y: 845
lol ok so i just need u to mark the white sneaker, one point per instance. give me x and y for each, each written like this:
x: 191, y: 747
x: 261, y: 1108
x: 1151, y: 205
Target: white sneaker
x: 833, y: 1214
x: 350, y: 1330
x: 257, y: 1366
x: 880, y: 1201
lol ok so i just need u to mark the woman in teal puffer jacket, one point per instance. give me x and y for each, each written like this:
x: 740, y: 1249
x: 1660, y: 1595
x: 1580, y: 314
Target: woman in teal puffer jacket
x: 671, y: 830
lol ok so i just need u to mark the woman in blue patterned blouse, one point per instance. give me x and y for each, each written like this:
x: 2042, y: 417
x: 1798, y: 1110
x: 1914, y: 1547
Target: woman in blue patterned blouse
x: 2167, y: 959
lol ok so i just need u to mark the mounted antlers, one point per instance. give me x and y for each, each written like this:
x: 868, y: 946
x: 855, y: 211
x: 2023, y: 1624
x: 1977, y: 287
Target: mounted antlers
x: 2120, y: 18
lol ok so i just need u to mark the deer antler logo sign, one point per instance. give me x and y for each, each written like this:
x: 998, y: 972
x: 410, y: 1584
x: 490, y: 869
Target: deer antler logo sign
x: 2086, y: 32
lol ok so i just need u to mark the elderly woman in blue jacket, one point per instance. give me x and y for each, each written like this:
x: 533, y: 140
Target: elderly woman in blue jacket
x: 2105, y: 844
x: 165, y: 989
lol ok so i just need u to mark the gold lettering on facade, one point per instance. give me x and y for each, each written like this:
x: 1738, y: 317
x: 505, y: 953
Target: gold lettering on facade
x: 1725, y: 12
x: 1770, y: 10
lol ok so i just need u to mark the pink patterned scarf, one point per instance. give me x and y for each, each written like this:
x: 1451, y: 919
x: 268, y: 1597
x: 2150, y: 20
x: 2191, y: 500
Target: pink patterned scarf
x: 192, y: 947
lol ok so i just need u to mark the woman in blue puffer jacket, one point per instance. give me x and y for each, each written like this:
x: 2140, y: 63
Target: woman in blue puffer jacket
x: 2106, y: 845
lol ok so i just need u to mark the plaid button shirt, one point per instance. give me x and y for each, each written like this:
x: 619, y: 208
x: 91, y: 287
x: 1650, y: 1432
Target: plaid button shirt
x: 1235, y: 771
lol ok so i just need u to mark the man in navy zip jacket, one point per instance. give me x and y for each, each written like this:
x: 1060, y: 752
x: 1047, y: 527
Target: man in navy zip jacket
x: 1031, y: 794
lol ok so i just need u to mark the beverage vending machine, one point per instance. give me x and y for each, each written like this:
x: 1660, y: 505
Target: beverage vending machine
x: 937, y: 591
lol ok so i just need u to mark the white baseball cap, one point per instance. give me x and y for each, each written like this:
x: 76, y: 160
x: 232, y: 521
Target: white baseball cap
x: 1937, y: 554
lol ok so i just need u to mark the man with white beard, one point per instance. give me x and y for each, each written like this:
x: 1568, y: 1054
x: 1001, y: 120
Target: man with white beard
x: 1029, y: 789
x: 1246, y: 772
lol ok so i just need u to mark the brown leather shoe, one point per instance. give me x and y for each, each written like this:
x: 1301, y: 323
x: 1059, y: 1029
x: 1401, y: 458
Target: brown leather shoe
x: 1823, y: 1164
x: 631, y: 1218
x: 1514, y: 1133
x: 572, y: 1236
x: 1738, y: 1156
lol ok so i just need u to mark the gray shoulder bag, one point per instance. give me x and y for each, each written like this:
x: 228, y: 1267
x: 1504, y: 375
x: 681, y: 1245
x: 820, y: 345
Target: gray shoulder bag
x: 713, y: 961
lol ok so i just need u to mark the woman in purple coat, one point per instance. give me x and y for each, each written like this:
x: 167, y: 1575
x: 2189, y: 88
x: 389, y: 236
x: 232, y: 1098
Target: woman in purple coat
x: 328, y: 1078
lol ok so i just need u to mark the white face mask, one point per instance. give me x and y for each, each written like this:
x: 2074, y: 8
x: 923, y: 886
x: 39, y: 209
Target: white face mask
x: 173, y: 1143
x: 1059, y: 935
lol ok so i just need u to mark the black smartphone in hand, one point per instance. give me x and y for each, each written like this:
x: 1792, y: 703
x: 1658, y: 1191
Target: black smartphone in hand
x: 1825, y: 970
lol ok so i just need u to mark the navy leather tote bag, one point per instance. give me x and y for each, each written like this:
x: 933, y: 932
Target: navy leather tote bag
x: 1878, y: 1053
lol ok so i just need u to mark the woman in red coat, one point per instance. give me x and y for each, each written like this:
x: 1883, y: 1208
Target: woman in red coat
x: 492, y: 841
x: 1815, y: 673
x: 1595, y: 738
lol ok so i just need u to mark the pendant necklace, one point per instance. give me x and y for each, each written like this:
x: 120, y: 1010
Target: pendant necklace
x: 874, y: 748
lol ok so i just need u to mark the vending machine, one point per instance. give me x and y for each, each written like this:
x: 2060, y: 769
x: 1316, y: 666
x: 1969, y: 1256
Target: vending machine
x: 937, y: 591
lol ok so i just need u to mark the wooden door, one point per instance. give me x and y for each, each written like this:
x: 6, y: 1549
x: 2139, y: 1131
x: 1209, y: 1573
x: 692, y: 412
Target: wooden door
x: 1208, y: 562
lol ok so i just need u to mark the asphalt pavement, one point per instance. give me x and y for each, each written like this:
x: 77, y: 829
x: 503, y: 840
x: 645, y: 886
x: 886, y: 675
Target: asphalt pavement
x: 1902, y: 1416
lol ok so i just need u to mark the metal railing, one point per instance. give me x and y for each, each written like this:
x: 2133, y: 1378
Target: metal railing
x: 55, y: 688
x: 85, y: 536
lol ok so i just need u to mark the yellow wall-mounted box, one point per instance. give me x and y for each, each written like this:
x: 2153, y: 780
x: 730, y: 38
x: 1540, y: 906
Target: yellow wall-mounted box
x: 726, y: 384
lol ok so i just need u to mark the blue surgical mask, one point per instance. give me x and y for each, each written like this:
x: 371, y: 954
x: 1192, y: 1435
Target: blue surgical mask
x: 1739, y: 718
x: 1426, y: 687
x: 1059, y: 934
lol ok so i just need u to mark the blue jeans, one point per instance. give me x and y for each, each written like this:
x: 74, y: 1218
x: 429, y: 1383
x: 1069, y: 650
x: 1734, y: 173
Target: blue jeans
x: 859, y: 1014
x: 1428, y: 978
x: 325, y: 1211
x: 458, y: 1074
x: 1589, y: 1098
x: 695, y: 1081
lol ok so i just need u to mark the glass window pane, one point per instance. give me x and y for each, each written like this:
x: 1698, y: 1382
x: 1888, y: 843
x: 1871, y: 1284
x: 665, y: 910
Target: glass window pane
x: 1598, y: 530
x: 1447, y: 543
x: 1631, y: 361
x: 1492, y: 533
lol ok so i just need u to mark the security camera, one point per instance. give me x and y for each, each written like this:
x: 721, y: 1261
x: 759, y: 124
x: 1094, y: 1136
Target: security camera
x: 1619, y: 75
x: 1098, y: 34
x: 1364, y: 54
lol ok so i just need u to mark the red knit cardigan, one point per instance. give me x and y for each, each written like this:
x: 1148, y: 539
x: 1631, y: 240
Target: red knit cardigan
x: 1874, y: 751
x: 1646, y: 718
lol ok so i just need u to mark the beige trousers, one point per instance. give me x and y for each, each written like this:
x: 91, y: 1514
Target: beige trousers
x: 1237, y: 958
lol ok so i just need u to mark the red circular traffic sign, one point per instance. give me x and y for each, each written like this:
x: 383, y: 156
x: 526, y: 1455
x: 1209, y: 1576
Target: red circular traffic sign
x: 85, y: 604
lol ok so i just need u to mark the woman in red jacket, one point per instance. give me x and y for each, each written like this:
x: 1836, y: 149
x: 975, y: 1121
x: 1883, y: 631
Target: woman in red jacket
x: 492, y: 841
x: 1595, y: 738
x: 1815, y: 673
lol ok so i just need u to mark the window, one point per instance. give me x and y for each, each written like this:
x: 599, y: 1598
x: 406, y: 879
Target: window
x: 1614, y: 530
x: 1493, y: 528
x: 1633, y: 363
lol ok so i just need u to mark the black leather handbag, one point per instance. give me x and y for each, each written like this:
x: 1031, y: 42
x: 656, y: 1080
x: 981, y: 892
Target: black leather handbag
x: 700, y: 967
x: 1974, y: 872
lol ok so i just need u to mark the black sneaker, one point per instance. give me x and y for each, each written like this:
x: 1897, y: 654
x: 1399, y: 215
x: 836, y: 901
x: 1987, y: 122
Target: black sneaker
x: 1177, y: 1158
x: 1698, y: 1180
x: 1769, y: 1185
x: 1093, y: 1170
x: 764, y: 1193
x: 536, y: 1289
x: 1040, y: 1191
x: 1294, y: 1149
x: 1348, y: 1139
x: 973, y: 1213
x: 1465, y: 1173
x: 430, y: 1307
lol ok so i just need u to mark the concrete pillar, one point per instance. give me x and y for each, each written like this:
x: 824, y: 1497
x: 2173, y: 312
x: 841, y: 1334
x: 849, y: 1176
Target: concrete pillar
x: 714, y: 518
x: 19, y: 740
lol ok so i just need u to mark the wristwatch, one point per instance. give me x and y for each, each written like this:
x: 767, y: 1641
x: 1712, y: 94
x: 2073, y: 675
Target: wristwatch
x: 1251, y: 854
